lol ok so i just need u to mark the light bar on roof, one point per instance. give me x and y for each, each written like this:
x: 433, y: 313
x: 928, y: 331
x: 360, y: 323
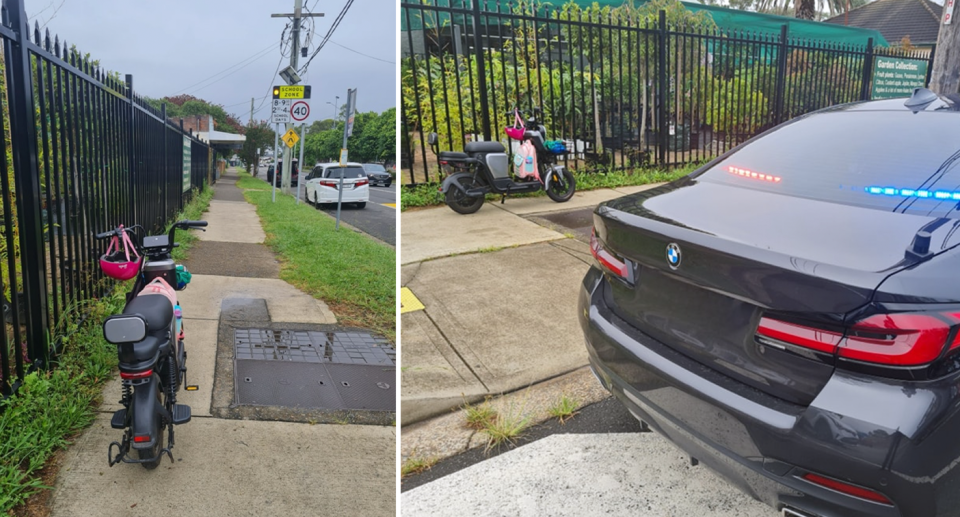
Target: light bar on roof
x: 942, y: 195
x: 746, y: 173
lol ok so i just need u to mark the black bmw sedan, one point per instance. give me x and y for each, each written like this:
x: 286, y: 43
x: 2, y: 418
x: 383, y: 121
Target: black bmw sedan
x: 789, y: 314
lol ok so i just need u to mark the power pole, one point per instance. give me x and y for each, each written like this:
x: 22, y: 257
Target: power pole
x: 251, y: 111
x: 945, y: 78
x: 297, y: 15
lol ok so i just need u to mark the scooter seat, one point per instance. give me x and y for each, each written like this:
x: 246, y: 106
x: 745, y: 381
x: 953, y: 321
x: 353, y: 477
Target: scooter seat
x: 155, y: 310
x: 483, y: 147
x: 453, y: 156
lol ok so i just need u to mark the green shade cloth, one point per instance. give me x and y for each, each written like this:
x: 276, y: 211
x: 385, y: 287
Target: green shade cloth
x: 726, y: 19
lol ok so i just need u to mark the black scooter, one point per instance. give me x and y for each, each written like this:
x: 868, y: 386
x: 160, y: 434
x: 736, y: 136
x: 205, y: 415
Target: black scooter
x: 151, y: 355
x: 484, y: 168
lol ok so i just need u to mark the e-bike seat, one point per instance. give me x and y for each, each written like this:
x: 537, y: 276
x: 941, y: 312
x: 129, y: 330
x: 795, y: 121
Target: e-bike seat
x: 483, y: 147
x: 453, y: 156
x: 158, y: 313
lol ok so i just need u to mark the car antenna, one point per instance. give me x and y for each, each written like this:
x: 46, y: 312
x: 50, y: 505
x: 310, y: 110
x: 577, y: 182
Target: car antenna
x: 920, y: 99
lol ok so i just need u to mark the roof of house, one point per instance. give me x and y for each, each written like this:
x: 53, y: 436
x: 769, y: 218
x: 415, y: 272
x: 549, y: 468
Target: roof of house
x: 918, y: 19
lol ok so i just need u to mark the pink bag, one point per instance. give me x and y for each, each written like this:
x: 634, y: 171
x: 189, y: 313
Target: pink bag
x: 525, y: 161
x: 516, y: 131
x: 161, y: 287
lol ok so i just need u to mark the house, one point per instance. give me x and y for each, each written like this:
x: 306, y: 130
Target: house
x: 918, y: 20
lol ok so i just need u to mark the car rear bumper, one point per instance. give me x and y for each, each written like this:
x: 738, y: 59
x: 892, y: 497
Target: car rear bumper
x: 897, y: 438
x: 330, y: 195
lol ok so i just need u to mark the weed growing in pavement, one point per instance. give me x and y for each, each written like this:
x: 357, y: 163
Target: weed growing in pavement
x: 506, y: 427
x: 416, y: 465
x: 564, y: 408
x: 478, y: 416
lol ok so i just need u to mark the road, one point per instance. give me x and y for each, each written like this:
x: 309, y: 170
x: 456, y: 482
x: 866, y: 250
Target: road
x: 378, y: 218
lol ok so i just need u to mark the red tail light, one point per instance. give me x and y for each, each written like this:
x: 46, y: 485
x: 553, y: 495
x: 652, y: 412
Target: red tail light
x: 899, y: 339
x: 332, y: 184
x: 141, y: 438
x: 846, y: 488
x: 361, y: 183
x: 139, y: 375
x: 606, y: 259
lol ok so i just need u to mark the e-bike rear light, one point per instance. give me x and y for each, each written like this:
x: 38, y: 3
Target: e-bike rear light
x: 847, y: 488
x: 607, y: 259
x: 141, y: 438
x: 138, y: 375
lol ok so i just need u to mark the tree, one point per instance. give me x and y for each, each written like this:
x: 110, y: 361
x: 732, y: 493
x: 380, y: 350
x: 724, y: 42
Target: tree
x: 259, y: 136
x: 183, y: 106
x: 805, y: 9
x: 373, y: 140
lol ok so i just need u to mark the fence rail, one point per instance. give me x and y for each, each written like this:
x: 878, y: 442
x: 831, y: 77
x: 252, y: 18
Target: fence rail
x: 623, y: 88
x: 83, y: 154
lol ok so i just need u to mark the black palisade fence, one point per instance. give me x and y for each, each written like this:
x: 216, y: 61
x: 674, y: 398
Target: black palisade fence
x: 82, y: 154
x: 623, y: 88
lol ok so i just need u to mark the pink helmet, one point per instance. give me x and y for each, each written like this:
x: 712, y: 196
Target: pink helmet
x: 117, y: 263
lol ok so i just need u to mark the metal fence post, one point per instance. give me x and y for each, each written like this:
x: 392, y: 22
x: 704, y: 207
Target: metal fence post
x: 779, y: 90
x: 131, y: 154
x: 27, y: 180
x: 663, y: 95
x: 933, y: 54
x: 180, y: 177
x: 481, y: 73
x: 164, y: 164
x: 867, y: 72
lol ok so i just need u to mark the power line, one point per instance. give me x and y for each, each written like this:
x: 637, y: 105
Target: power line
x: 256, y: 54
x: 262, y: 55
x: 269, y: 89
x: 361, y: 53
x: 326, y: 38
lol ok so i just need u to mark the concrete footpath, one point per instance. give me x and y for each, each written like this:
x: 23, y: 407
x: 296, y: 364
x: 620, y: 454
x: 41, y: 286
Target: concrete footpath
x: 499, y: 293
x: 230, y: 467
x: 635, y: 474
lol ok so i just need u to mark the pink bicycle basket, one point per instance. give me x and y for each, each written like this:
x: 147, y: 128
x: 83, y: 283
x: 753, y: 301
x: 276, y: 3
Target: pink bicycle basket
x: 117, y: 263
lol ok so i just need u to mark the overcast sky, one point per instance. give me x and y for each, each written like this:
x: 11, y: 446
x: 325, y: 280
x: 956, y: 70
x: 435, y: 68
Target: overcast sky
x: 169, y: 45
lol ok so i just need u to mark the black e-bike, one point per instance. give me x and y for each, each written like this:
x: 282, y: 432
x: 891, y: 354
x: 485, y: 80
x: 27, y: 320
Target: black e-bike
x: 484, y: 168
x: 152, y: 358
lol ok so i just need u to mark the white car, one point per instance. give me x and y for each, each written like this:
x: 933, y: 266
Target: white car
x: 324, y: 180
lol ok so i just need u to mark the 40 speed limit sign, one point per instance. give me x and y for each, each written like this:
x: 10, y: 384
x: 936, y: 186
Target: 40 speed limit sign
x: 300, y: 110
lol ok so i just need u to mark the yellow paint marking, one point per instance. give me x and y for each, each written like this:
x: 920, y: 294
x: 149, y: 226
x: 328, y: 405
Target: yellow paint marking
x: 391, y: 205
x: 409, y: 302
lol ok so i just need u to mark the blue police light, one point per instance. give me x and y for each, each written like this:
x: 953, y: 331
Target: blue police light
x: 918, y: 193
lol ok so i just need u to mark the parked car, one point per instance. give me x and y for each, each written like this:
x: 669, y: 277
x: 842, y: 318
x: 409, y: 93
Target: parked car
x: 377, y: 174
x: 323, y: 182
x: 789, y: 313
x: 278, y: 179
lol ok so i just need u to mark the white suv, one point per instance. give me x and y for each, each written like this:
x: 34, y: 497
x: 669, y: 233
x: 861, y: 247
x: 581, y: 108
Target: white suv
x: 324, y: 180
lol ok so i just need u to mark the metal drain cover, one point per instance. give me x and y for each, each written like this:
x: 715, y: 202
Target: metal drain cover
x: 315, y: 385
x: 313, y: 347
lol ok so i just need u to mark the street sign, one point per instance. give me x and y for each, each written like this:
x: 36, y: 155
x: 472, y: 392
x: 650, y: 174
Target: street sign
x: 291, y: 92
x: 290, y: 138
x: 300, y: 111
x: 280, y: 113
x: 343, y: 157
x: 351, y: 110
x: 948, y: 11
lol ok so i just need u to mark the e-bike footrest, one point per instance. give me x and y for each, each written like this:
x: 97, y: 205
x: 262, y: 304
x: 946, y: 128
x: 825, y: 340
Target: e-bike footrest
x: 181, y: 414
x: 119, y: 419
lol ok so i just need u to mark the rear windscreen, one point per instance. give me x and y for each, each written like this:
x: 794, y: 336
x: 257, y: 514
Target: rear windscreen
x: 903, y: 161
x: 351, y: 172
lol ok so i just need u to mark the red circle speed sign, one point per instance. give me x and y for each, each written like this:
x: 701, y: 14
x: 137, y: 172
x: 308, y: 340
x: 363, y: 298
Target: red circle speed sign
x: 300, y: 111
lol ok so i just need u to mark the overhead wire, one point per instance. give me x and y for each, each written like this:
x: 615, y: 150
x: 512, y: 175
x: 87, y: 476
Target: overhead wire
x: 361, y: 53
x: 255, y: 55
x: 330, y: 31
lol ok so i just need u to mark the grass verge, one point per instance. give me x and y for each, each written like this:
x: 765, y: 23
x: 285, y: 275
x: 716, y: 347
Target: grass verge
x: 506, y: 428
x: 248, y: 182
x: 427, y: 194
x: 193, y: 211
x: 352, y: 273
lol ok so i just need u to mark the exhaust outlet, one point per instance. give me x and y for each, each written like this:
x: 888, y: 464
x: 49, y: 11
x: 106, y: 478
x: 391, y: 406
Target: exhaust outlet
x: 793, y: 512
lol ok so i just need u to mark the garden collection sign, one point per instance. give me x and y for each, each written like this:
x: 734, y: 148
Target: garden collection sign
x: 893, y: 77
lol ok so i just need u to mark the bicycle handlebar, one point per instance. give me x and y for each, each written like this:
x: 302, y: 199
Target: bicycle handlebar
x: 192, y: 224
